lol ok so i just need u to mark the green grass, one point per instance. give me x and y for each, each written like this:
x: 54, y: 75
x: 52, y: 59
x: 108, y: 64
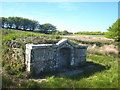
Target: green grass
x: 9, y: 34
x: 91, y: 78
x: 89, y: 35
x: 105, y: 75
x: 94, y: 78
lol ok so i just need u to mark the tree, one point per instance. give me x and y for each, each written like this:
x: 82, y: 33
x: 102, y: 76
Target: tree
x: 10, y: 22
x: 56, y: 32
x: 114, y: 31
x: 25, y: 24
x: 47, y: 27
x: 17, y: 22
x: 33, y: 24
x: 65, y: 32
x: 4, y: 21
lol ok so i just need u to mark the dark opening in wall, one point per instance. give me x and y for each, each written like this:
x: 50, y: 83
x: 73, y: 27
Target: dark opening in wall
x: 65, y: 57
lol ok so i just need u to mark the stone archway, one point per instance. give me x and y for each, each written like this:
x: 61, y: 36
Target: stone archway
x: 64, y: 58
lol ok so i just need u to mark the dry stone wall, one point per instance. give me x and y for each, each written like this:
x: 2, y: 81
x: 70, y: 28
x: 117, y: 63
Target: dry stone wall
x: 54, y: 57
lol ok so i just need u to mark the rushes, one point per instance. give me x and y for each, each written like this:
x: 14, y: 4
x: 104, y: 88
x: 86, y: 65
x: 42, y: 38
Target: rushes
x: 109, y: 49
x: 104, y: 50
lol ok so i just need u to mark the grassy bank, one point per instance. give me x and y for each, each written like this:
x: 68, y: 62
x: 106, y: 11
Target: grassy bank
x: 104, y: 75
x: 13, y: 49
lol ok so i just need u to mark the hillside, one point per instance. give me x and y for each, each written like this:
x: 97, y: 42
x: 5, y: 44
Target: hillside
x: 104, y: 75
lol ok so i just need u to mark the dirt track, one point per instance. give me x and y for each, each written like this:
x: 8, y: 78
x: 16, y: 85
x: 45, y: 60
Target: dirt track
x: 88, y: 38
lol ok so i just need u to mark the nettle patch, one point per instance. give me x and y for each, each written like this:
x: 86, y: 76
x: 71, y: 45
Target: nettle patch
x: 14, y: 52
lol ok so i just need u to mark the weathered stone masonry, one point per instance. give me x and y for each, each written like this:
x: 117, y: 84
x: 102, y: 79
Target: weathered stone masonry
x: 51, y: 57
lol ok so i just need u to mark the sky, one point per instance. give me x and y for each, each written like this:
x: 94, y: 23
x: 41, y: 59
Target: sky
x: 70, y: 16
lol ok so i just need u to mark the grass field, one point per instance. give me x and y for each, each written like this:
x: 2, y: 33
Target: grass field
x: 105, y: 75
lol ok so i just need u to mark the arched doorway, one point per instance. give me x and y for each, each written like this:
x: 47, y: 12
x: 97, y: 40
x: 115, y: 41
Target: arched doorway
x: 64, y: 58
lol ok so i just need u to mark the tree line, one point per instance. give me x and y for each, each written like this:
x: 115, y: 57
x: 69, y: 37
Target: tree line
x: 65, y: 32
x: 21, y: 23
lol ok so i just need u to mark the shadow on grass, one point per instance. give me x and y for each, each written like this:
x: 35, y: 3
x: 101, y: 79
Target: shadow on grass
x: 89, y: 69
x: 75, y: 73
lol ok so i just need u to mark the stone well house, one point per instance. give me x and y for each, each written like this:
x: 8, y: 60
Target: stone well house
x: 52, y: 57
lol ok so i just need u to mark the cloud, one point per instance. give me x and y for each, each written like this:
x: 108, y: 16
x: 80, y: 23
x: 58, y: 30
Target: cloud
x: 68, y: 6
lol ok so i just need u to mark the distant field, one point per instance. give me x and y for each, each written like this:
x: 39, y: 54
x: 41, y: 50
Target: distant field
x: 88, y: 35
x: 89, y: 38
